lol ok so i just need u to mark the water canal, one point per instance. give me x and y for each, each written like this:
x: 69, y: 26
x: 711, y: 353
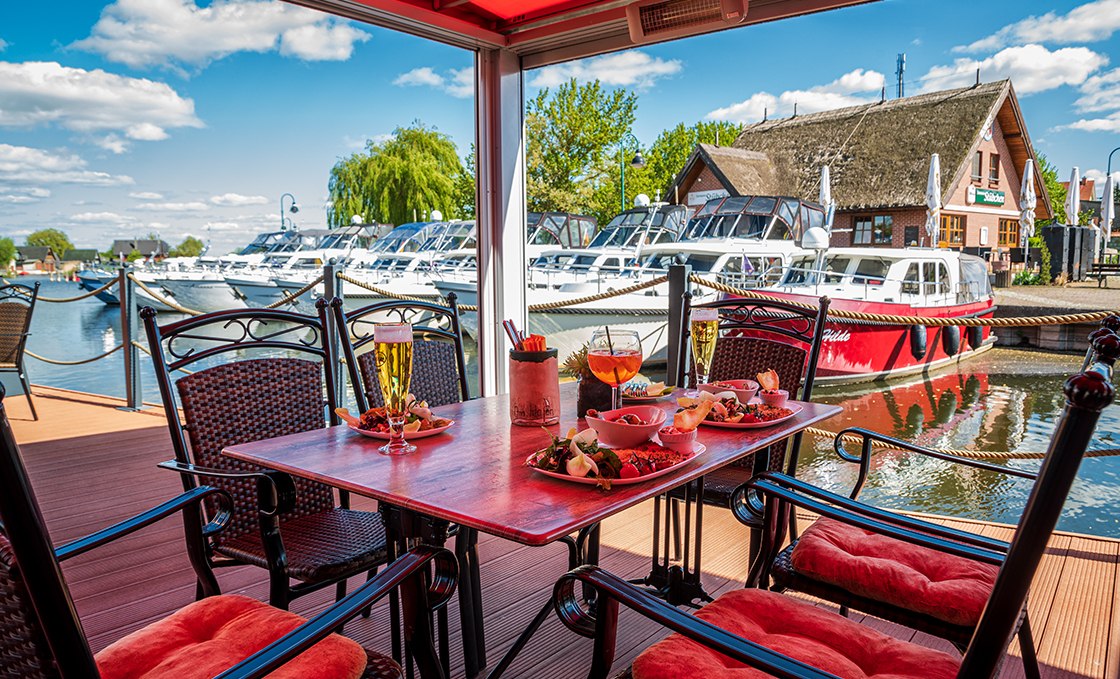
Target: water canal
x: 1007, y: 399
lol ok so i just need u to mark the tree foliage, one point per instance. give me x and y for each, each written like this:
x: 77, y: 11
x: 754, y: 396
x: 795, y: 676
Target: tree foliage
x: 190, y: 247
x: 52, y: 238
x: 399, y: 180
x: 7, y: 253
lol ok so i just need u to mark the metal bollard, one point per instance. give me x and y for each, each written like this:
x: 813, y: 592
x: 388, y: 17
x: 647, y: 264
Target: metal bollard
x: 678, y: 285
x: 129, y: 315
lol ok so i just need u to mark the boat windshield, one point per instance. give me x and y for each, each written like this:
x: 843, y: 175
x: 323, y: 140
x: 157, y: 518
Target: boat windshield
x: 265, y: 242
x: 975, y: 284
x: 641, y: 226
x: 395, y: 240
x: 729, y: 226
x: 453, y: 236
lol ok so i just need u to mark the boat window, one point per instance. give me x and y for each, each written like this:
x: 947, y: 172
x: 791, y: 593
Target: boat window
x: 871, y: 271
x: 974, y: 278
x: 943, y: 286
x: 811, y: 218
x: 751, y: 226
x: 788, y: 211
x: 544, y: 237
x: 734, y: 204
x: 911, y: 281
x: 709, y: 207
x: 780, y: 231
x: 611, y: 264
x: 702, y: 263
x: 763, y: 204
x: 835, y: 268
x: 799, y: 271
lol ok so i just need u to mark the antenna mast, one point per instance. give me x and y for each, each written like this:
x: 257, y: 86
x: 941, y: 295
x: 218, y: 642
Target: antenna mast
x: 900, y: 73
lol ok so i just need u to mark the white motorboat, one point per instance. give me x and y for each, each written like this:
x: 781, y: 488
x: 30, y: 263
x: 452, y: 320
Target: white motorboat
x: 92, y: 279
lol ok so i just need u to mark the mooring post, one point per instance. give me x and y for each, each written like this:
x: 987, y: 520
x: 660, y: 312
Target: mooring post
x: 679, y: 284
x: 332, y: 288
x: 127, y: 292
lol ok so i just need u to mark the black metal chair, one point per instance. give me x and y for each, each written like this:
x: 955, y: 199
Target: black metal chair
x: 294, y: 529
x: 786, y: 637
x: 41, y: 636
x: 17, y: 305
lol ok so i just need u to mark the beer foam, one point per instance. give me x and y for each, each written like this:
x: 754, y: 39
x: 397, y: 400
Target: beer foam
x: 705, y: 314
x: 392, y: 333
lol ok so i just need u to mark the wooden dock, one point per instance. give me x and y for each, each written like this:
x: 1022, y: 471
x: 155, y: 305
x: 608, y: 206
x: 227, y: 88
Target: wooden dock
x: 92, y: 465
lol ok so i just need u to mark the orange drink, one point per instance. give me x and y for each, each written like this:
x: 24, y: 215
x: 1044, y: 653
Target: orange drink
x: 615, y: 368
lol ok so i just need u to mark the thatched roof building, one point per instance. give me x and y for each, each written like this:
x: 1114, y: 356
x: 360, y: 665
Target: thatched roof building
x: 739, y: 171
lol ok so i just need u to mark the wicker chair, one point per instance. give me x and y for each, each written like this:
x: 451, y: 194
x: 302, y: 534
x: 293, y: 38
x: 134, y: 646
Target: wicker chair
x: 295, y: 529
x: 17, y: 304
x: 786, y: 637
x: 41, y: 636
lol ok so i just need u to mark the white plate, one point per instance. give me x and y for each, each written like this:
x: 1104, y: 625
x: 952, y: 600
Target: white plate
x: 699, y: 450
x: 794, y: 408
x: 408, y: 435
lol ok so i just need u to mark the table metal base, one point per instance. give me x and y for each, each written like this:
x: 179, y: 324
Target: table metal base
x: 678, y: 585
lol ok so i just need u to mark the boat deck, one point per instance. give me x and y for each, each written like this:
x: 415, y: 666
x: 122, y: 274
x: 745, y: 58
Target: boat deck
x: 92, y: 465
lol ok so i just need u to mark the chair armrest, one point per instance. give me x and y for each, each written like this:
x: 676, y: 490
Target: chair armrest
x: 567, y: 605
x: 411, y: 564
x: 277, y: 487
x: 773, y: 485
x: 131, y: 525
x: 739, y: 505
x: 864, y: 458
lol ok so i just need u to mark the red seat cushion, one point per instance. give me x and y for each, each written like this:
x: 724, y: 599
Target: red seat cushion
x: 946, y: 587
x: 209, y: 636
x: 813, y: 635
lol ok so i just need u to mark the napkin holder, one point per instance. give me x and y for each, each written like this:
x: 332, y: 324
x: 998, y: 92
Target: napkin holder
x: 534, y: 387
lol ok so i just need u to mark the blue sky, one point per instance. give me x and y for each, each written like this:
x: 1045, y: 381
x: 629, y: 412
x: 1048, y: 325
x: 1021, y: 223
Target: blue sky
x: 186, y: 117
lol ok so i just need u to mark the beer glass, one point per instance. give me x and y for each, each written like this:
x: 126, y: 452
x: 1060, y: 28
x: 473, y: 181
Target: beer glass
x: 615, y: 357
x: 392, y: 354
x: 703, y: 329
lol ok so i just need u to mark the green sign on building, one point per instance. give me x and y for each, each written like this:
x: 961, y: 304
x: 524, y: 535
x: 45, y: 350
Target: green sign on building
x: 986, y: 196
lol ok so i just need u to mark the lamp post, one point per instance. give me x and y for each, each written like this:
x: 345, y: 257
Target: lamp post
x: 1109, y: 170
x: 293, y: 208
x: 628, y: 141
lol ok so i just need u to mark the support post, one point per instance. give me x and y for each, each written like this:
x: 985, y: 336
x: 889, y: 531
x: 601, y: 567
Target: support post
x: 129, y: 318
x: 500, y: 137
x: 678, y: 285
x: 332, y: 287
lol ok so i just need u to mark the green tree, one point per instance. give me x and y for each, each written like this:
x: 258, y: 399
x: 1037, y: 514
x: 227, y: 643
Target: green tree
x: 190, y: 247
x: 134, y: 255
x: 411, y: 174
x: 7, y: 253
x: 1054, y: 189
x: 573, y: 135
x: 52, y: 238
x: 465, y: 187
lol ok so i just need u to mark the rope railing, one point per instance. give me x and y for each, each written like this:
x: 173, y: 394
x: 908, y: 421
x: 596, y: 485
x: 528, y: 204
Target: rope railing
x: 388, y: 293
x: 163, y: 300
x: 1012, y: 322
x: 53, y: 361
x: 972, y: 454
x: 288, y: 299
x: 75, y: 298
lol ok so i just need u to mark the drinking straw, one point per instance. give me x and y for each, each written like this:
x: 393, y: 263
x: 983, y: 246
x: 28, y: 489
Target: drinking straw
x: 610, y: 345
x: 508, y: 325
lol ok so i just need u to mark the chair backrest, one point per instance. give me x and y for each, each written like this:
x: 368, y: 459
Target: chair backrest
x: 41, y: 636
x: 244, y: 400
x: 439, y: 370
x: 1087, y: 394
x: 17, y: 304
x: 757, y: 335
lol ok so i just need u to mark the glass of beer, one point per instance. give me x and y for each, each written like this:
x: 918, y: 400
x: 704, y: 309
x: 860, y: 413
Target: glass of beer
x: 703, y: 329
x: 392, y: 354
x: 615, y: 357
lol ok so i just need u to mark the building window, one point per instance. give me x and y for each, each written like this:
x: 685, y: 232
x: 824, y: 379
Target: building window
x: 977, y: 166
x: 1009, y: 233
x: 993, y: 167
x: 873, y: 230
x: 952, y: 230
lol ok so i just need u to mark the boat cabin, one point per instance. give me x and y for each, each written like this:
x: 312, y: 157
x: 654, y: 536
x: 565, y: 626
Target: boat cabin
x: 559, y: 229
x: 778, y: 218
x: 643, y: 225
x: 743, y: 265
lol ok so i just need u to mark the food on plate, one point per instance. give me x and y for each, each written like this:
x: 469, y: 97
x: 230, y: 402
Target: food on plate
x: 580, y: 455
x: 692, y: 413
x: 727, y: 408
x: 645, y: 390
x: 676, y: 438
x: 625, y: 418
x: 768, y: 381
x: 419, y: 418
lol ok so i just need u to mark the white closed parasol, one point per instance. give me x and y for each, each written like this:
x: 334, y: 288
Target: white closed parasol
x: 1028, y: 201
x: 933, y: 199
x: 1108, y: 213
x: 825, y: 198
x: 1073, y: 197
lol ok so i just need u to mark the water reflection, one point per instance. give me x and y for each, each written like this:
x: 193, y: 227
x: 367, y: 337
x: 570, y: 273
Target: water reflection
x: 1004, y: 400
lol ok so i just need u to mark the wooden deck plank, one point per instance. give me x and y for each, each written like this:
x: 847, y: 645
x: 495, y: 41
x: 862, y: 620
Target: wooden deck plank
x: 100, y: 468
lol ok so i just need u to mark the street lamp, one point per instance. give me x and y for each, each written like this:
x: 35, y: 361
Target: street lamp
x: 628, y: 141
x: 1109, y: 170
x: 293, y: 208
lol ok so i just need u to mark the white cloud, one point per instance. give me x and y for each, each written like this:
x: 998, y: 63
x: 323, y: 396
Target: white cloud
x: 100, y: 218
x: 419, y: 76
x: 1032, y: 68
x: 26, y: 165
x: 459, y: 82
x: 146, y: 195
x: 1099, y: 176
x: 1109, y: 123
x: 174, y: 207
x: 1100, y: 92
x: 224, y: 226
x: 851, y: 89
x: 632, y: 68
x: 1090, y: 22
x: 22, y: 195
x: 94, y: 102
x: 237, y: 200
x: 177, y: 33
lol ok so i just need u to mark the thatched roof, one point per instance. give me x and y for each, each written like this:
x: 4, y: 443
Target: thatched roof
x: 744, y: 173
x: 879, y: 153
x: 34, y: 253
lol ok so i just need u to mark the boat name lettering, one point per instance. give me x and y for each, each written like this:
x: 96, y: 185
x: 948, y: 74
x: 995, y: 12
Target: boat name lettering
x: 831, y: 335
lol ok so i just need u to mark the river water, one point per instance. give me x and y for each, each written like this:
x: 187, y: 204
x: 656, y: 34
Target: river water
x: 1006, y: 399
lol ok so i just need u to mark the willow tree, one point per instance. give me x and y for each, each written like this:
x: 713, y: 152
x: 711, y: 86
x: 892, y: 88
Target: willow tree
x: 399, y: 180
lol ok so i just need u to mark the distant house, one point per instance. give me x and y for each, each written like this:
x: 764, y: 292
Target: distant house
x: 35, y: 258
x: 148, y: 248
x: 719, y: 171
x: 879, y: 155
x: 78, y: 258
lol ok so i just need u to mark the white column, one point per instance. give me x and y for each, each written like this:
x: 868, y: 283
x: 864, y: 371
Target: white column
x: 500, y: 149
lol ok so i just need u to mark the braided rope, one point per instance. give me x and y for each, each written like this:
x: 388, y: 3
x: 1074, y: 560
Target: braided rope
x: 602, y: 295
x: 163, y: 300
x: 288, y: 299
x: 388, y: 293
x: 148, y: 351
x: 52, y: 361
x: 1021, y: 321
x: 62, y: 300
x: 973, y: 454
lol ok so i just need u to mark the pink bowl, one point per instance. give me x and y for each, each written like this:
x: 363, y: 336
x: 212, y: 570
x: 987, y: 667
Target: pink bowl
x: 619, y: 435
x: 682, y: 442
x: 775, y: 398
x: 744, y: 389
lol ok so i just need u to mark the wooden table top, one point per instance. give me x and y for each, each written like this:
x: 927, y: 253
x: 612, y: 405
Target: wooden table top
x: 475, y: 473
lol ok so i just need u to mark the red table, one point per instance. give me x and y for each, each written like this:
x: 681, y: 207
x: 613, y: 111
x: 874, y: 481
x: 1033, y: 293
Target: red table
x: 474, y: 474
